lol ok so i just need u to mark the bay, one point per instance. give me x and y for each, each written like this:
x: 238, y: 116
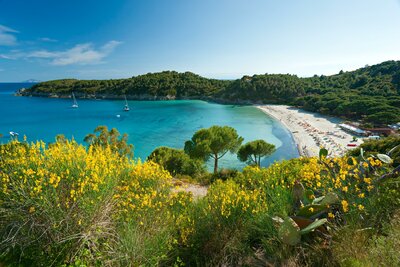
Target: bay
x: 149, y: 124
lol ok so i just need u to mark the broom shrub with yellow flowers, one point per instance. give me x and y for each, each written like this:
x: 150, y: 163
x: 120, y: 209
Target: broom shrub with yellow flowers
x: 65, y: 204
x: 215, y: 226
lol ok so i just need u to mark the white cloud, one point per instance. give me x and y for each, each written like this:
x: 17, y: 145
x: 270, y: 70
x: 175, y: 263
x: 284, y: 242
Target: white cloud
x: 43, y: 54
x: 7, y: 37
x: 82, y: 54
x: 46, y: 39
x: 3, y: 56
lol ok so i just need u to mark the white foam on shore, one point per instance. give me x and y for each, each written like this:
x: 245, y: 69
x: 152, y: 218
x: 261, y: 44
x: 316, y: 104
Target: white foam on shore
x: 311, y: 130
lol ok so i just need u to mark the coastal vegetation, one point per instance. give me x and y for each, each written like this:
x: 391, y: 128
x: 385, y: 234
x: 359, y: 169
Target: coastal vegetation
x: 370, y: 94
x: 65, y: 204
x: 163, y: 84
x: 213, y: 143
x: 253, y: 151
x: 389, y: 145
x: 177, y: 162
x: 102, y: 137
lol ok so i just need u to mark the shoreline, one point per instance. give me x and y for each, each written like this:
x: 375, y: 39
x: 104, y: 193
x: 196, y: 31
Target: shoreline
x: 311, y: 131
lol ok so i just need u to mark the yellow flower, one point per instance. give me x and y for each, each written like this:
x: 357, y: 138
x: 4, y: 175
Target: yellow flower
x: 331, y: 215
x: 367, y: 180
x: 360, y: 207
x: 311, y: 209
x: 345, y: 206
x: 32, y: 209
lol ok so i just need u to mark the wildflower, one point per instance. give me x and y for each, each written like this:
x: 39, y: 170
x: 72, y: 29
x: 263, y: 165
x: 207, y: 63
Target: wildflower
x: 32, y: 209
x: 311, y: 209
x: 331, y: 215
x: 360, y: 207
x: 345, y: 205
x: 367, y: 180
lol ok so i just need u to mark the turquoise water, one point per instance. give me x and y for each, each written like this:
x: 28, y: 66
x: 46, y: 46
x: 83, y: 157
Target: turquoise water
x: 149, y: 124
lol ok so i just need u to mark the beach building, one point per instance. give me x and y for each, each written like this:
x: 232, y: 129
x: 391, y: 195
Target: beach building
x: 353, y: 130
x: 381, y: 131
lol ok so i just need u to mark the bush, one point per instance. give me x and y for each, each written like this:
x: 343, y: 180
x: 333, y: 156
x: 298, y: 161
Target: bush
x: 176, y: 161
x: 382, y: 146
x: 215, y: 230
x: 69, y: 205
x: 64, y: 203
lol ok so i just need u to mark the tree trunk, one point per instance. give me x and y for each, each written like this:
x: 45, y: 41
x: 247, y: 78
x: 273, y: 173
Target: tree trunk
x: 215, y: 164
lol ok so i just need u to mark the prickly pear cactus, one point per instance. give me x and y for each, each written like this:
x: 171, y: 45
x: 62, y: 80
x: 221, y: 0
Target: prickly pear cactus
x: 289, y: 232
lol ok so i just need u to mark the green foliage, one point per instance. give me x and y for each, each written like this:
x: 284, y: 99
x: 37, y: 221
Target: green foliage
x: 272, y: 88
x: 219, y: 224
x: 176, y: 161
x: 307, y: 219
x: 162, y: 84
x: 384, y: 158
x: 214, y: 143
x: 289, y: 232
x: 323, y: 152
x: 386, y: 145
x: 314, y: 225
x: 368, y: 247
x: 253, y: 151
x: 104, y: 138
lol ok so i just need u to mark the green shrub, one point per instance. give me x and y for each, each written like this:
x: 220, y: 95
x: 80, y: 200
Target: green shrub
x: 176, y: 161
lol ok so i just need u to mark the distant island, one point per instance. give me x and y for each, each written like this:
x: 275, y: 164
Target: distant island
x: 370, y: 94
x: 31, y: 81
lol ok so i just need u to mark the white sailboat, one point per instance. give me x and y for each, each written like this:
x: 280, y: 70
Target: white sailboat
x: 14, y: 134
x: 75, y: 104
x: 126, y: 107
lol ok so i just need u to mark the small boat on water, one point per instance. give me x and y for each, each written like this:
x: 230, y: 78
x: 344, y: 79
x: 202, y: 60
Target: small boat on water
x: 75, y: 104
x: 126, y: 107
x: 14, y: 134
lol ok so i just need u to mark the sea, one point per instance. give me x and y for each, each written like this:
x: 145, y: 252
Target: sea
x: 149, y: 124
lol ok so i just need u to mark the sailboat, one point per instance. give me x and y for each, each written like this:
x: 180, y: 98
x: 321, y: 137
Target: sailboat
x: 75, y: 104
x: 126, y: 107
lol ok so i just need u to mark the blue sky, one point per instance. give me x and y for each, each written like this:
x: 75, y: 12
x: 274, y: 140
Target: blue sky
x: 47, y: 39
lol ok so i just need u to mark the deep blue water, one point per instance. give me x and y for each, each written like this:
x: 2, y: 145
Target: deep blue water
x: 149, y: 124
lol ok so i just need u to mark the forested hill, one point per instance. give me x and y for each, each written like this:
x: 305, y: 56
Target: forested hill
x: 371, y: 93
x: 162, y: 84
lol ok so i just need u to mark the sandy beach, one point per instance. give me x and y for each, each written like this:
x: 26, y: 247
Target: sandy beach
x: 311, y: 130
